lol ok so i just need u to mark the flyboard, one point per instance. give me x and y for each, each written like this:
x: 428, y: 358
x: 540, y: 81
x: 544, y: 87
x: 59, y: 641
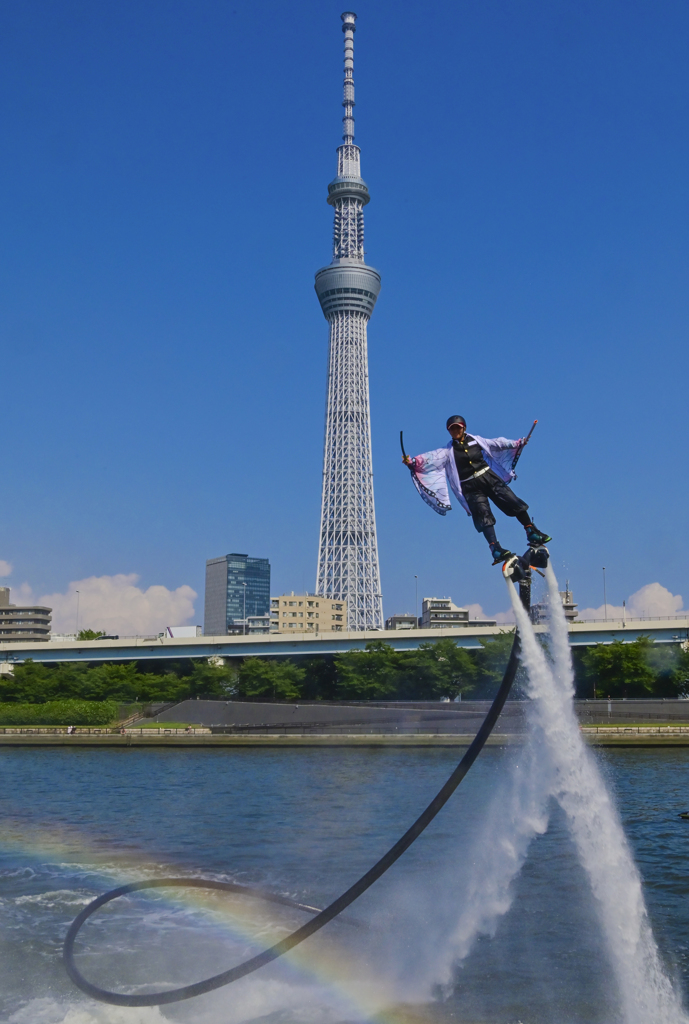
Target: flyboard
x: 519, y: 572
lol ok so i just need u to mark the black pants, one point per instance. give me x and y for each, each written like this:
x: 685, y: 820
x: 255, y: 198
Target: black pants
x: 478, y: 491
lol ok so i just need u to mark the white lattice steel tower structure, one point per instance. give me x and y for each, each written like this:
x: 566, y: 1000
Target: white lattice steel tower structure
x: 347, y: 291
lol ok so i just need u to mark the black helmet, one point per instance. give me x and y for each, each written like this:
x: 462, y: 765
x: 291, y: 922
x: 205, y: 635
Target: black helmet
x: 456, y: 419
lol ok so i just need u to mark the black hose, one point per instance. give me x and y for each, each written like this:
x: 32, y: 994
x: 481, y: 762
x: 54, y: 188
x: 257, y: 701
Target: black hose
x: 321, y: 917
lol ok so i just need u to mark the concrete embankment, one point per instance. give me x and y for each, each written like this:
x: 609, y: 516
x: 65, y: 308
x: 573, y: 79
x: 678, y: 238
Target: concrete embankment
x: 642, y: 736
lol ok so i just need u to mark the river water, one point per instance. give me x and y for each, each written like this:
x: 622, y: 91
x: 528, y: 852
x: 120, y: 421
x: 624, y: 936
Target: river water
x: 307, y: 823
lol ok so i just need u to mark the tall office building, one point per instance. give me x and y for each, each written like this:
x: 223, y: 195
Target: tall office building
x: 237, y: 586
x: 347, y: 290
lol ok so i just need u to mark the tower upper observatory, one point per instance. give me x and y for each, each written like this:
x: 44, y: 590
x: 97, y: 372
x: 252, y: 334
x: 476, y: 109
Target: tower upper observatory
x: 348, y: 193
x: 347, y: 290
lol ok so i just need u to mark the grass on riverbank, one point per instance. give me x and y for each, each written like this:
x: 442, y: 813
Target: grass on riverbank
x: 162, y: 725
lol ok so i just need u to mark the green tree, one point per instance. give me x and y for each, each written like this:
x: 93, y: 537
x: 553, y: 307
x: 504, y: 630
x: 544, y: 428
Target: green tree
x: 372, y: 674
x: 320, y: 680
x: 35, y: 683
x: 665, y: 661
x: 211, y: 680
x: 680, y: 674
x: 618, y: 669
x: 491, y: 662
x: 440, y: 669
x: 127, y: 684
x: 271, y: 679
x: 90, y: 634
x: 30, y: 683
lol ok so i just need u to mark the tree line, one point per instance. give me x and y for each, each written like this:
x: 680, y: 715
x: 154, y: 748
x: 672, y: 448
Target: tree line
x: 434, y: 671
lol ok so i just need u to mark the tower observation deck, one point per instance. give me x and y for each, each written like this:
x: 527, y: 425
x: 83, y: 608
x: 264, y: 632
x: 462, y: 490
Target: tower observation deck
x: 347, y: 290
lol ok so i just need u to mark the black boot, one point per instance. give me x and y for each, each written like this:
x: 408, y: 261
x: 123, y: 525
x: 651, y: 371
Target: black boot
x: 499, y: 553
x: 535, y: 538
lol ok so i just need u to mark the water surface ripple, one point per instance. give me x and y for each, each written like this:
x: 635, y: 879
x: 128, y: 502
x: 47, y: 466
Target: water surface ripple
x: 306, y: 823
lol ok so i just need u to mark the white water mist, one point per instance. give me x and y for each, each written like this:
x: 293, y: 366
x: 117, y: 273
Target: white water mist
x: 645, y: 992
x: 517, y: 812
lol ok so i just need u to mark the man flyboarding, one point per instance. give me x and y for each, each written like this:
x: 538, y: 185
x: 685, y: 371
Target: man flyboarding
x: 478, y: 470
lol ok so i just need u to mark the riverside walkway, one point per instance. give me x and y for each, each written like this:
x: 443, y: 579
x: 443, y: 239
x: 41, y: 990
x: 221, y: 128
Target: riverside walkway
x: 614, y: 736
x: 229, y: 724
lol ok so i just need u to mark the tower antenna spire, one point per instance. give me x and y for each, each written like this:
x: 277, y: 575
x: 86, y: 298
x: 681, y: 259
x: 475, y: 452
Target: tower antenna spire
x: 347, y: 290
x: 349, y: 28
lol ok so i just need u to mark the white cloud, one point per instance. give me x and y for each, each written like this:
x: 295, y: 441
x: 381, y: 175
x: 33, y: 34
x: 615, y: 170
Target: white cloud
x: 504, y: 618
x: 477, y: 612
x: 23, y: 594
x: 115, y: 604
x: 5, y: 568
x: 651, y: 600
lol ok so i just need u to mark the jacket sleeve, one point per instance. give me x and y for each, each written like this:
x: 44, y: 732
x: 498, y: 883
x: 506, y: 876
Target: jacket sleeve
x: 430, y: 479
x: 501, y: 452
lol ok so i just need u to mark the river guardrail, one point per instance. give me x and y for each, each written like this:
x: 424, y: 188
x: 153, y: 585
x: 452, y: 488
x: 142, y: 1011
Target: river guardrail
x: 64, y: 730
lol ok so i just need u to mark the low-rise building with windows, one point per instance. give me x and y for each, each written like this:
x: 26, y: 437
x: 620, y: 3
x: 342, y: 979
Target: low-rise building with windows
x: 539, y: 611
x: 22, y: 623
x: 405, y: 621
x: 302, y: 613
x: 441, y: 613
x: 251, y: 626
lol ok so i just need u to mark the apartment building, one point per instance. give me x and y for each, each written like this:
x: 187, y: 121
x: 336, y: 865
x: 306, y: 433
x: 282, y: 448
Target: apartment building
x: 307, y: 613
x: 22, y: 623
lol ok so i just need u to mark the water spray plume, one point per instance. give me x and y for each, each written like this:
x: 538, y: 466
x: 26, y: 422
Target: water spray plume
x: 644, y: 990
x: 517, y: 812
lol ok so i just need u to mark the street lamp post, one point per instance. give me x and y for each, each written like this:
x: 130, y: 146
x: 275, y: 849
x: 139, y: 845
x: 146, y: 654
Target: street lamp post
x: 605, y: 596
x: 416, y: 600
x: 77, y: 629
x: 244, y: 585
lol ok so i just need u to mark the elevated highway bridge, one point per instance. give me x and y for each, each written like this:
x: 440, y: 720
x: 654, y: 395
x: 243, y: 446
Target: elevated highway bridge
x: 667, y: 630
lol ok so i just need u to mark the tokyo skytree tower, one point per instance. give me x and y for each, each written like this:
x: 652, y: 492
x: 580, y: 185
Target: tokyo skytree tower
x: 347, y: 290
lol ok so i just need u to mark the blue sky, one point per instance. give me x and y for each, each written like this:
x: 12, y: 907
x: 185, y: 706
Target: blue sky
x: 163, y: 189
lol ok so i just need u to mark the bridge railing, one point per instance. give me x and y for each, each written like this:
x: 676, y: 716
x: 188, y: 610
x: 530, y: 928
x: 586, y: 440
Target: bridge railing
x: 635, y: 618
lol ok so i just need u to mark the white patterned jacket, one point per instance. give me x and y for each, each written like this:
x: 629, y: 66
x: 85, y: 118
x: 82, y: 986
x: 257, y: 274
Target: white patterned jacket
x: 432, y: 471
